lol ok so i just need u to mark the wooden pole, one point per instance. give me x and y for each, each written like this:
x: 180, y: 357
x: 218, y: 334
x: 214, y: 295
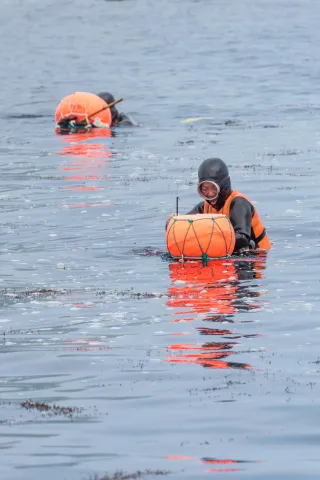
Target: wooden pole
x: 112, y: 104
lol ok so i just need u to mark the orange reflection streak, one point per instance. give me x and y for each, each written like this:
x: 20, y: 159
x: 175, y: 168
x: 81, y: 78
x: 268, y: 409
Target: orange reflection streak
x: 82, y: 205
x: 216, y: 291
x: 89, y: 157
x: 213, y: 331
x: 203, y: 288
x: 86, y: 177
x: 92, y: 151
x: 216, y: 364
x: 208, y: 346
x: 185, y: 319
x: 223, y: 470
x: 79, y: 146
x: 180, y: 334
x: 216, y: 461
x: 96, y: 165
x: 90, y: 345
x: 81, y: 188
x: 178, y: 457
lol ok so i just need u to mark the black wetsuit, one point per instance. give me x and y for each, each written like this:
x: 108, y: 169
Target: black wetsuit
x: 123, y: 120
x: 118, y: 118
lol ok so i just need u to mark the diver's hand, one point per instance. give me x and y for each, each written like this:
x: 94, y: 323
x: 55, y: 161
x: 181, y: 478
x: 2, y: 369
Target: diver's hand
x: 247, y: 249
x: 243, y: 251
x: 169, y: 218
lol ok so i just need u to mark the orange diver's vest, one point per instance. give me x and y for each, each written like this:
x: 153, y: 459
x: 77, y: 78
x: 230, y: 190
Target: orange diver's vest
x: 258, y: 232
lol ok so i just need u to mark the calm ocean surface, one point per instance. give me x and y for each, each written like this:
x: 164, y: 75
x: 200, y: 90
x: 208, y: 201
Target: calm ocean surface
x: 216, y: 378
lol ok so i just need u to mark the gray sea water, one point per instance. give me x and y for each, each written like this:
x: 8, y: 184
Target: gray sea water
x: 218, y: 377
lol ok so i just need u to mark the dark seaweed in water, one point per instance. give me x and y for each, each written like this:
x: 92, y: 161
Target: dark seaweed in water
x: 9, y: 297
x: 284, y: 153
x: 131, y: 294
x: 120, y: 475
x: 52, y: 410
x: 20, y: 295
x: 28, y: 116
x: 147, y: 252
x: 21, y: 332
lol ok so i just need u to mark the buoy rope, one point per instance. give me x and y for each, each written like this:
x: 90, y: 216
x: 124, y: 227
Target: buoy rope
x: 204, y: 254
x: 224, y: 238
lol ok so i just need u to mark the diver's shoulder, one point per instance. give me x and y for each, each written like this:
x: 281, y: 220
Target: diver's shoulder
x: 241, y: 200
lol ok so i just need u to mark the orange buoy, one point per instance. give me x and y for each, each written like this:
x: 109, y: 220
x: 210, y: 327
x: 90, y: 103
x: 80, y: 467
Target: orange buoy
x: 84, y: 106
x: 196, y: 236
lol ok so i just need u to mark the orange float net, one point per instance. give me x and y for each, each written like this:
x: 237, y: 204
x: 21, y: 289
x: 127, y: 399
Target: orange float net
x: 82, y: 111
x: 200, y: 236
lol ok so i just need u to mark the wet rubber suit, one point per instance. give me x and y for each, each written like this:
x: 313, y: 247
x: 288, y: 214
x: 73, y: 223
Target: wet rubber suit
x: 118, y: 118
x: 241, y: 210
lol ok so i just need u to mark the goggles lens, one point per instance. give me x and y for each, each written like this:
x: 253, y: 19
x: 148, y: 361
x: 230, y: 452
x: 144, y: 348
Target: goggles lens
x: 208, y: 190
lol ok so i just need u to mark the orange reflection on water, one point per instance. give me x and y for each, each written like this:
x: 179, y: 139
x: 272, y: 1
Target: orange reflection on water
x: 86, y: 177
x: 227, y: 461
x: 206, y: 355
x: 210, y: 360
x: 80, y: 188
x: 178, y: 457
x: 78, y: 145
x: 223, y: 470
x: 180, y: 334
x: 90, y: 345
x: 92, y: 150
x: 201, y: 289
x: 185, y: 319
x: 215, y: 293
x: 215, y: 461
x: 87, y: 205
x: 85, y: 164
x: 89, y: 157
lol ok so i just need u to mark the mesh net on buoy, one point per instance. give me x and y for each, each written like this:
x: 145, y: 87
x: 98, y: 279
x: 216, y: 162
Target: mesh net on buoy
x: 200, y: 236
x: 81, y: 111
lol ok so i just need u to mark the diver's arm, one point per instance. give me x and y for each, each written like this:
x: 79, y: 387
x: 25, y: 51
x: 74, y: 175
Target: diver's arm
x: 241, y: 212
x: 125, y: 120
x: 197, y: 209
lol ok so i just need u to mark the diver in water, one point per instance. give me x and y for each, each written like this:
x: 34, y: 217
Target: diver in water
x: 118, y: 118
x: 214, y: 187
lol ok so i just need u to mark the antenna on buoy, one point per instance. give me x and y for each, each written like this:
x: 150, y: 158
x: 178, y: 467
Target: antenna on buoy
x: 177, y: 205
